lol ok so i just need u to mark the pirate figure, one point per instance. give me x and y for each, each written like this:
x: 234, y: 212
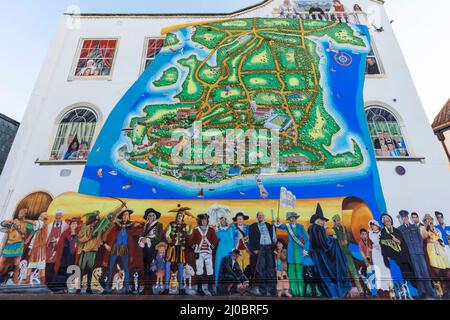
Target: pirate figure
x: 176, y: 236
x: 241, y: 239
x: 152, y: 234
x: 204, y: 241
x: 119, y: 244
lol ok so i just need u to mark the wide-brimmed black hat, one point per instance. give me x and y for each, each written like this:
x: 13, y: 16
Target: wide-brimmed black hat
x: 150, y: 211
x: 386, y: 215
x: 240, y: 214
x: 120, y: 214
x: 318, y: 215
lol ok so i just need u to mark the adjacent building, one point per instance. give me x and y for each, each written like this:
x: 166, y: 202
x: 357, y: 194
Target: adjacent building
x: 441, y: 128
x: 8, y: 131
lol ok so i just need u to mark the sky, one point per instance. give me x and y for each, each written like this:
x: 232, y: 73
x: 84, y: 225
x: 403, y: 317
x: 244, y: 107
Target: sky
x: 27, y: 28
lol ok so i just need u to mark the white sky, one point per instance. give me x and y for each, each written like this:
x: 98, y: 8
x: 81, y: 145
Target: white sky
x: 422, y: 28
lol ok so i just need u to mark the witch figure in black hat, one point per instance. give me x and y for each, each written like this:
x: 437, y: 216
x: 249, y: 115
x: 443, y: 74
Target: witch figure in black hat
x: 152, y: 234
x: 329, y: 261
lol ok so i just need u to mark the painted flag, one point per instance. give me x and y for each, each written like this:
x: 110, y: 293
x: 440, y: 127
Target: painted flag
x: 287, y: 199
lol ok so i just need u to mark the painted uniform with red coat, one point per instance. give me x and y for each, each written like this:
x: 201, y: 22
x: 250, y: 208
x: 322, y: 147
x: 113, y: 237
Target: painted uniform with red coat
x: 204, y: 241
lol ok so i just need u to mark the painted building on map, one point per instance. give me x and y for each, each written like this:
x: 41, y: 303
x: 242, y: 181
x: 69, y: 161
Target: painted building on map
x: 323, y: 85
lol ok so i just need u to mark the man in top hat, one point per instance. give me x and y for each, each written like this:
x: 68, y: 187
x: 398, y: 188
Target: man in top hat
x: 297, y: 253
x: 151, y: 234
x: 329, y: 261
x: 344, y: 238
x: 204, y: 241
x: 262, y: 242
x: 444, y: 229
x: 411, y: 235
x: 54, y: 232
x: 241, y: 239
x: 395, y: 250
x: 120, y: 244
x: 176, y: 237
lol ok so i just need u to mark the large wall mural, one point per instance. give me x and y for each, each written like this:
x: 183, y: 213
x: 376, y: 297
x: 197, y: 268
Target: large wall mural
x: 243, y: 140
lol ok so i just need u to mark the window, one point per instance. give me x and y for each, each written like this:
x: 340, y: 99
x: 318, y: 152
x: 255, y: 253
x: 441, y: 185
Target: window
x: 373, y: 65
x: 74, y: 135
x: 96, y: 58
x: 385, y: 133
x: 152, y: 48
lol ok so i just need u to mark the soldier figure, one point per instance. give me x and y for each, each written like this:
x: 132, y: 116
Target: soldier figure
x: 411, y: 235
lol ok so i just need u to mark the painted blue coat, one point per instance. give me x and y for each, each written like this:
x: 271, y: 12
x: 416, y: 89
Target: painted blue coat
x: 236, y: 232
x: 227, y: 243
x: 301, y: 234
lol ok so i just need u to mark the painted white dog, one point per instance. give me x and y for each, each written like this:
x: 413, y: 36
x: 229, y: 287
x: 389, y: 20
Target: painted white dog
x: 188, y: 274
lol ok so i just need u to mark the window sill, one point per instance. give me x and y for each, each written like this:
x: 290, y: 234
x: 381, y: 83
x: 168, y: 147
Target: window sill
x: 60, y: 162
x: 401, y: 159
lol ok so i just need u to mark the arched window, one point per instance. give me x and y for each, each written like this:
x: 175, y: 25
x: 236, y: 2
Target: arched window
x: 75, y: 134
x: 385, y: 133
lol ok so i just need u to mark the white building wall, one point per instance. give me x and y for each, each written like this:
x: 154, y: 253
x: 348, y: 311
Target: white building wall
x: 424, y: 188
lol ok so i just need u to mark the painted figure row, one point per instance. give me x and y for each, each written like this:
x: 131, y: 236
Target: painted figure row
x: 115, y: 254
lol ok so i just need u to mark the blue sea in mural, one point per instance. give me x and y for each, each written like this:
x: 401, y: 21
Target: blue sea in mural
x: 105, y: 176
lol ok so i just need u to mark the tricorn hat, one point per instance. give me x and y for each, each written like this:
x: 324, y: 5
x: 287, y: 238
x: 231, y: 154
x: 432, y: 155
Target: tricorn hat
x: 240, y: 214
x: 292, y: 215
x: 180, y: 208
x: 318, y: 215
x: 150, y: 211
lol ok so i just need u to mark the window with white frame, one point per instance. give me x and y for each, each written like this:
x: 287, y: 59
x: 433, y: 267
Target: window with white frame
x: 75, y: 135
x: 373, y: 63
x: 95, y: 58
x: 152, y: 47
x: 385, y: 133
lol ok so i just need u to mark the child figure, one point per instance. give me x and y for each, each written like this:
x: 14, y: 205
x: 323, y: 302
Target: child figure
x: 160, y: 263
x: 281, y: 267
x: 367, y: 273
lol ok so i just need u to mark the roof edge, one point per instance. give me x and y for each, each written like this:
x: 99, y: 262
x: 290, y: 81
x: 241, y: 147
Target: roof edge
x: 10, y: 120
x: 188, y: 15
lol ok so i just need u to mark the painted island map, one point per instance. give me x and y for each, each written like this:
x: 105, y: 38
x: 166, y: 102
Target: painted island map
x: 233, y: 76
